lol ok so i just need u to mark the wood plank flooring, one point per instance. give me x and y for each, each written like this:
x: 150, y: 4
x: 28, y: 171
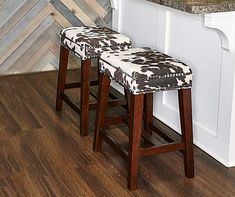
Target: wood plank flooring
x: 28, y: 27
x: 42, y: 153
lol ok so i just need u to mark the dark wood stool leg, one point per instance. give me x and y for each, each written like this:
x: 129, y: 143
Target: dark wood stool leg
x: 127, y: 97
x: 148, y: 112
x: 103, y: 94
x: 136, y: 115
x: 98, y: 67
x: 85, y: 92
x: 64, y: 55
x: 185, y: 105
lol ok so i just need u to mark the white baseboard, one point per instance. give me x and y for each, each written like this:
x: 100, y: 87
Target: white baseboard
x: 214, y: 155
x: 231, y: 164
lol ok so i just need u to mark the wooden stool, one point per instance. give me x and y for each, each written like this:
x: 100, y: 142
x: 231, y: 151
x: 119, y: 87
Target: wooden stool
x: 144, y: 71
x: 85, y: 42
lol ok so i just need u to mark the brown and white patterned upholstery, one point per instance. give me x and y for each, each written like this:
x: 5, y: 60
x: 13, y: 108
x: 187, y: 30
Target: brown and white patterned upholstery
x: 91, y: 41
x: 145, y: 70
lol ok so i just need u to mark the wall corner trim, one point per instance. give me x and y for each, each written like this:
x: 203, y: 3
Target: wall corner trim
x: 114, y: 4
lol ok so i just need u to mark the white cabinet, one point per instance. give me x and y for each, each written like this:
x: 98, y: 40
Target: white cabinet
x: 207, y: 44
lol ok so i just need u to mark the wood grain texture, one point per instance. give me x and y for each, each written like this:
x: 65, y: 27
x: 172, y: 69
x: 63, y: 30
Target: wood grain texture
x: 24, y: 23
x: 42, y: 153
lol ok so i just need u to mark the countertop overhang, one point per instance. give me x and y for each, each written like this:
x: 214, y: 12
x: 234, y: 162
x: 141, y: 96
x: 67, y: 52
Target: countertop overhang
x: 199, y: 6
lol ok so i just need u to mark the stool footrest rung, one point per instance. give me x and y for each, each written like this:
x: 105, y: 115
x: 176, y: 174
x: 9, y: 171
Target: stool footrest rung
x: 113, y: 94
x: 92, y: 106
x: 116, y: 120
x: 78, y: 84
x: 116, y: 102
x: 165, y: 148
x: 119, y: 149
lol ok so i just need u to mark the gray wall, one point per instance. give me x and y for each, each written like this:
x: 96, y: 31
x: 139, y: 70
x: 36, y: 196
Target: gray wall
x: 29, y: 30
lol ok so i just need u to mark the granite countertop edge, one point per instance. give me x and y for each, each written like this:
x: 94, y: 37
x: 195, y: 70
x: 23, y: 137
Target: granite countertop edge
x: 205, y: 8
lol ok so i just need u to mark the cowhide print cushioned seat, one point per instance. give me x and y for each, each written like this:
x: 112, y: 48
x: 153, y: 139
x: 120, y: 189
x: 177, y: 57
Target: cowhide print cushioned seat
x: 143, y: 71
x: 85, y: 42
x: 90, y: 42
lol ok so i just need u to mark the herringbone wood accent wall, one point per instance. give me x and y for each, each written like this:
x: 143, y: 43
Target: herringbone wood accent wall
x: 29, y: 30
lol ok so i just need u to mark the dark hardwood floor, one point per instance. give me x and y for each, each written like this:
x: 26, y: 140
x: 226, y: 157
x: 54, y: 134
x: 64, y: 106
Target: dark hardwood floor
x: 42, y: 154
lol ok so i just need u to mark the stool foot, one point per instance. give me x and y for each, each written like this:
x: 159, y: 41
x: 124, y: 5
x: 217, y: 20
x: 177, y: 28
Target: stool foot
x: 136, y: 113
x: 85, y: 92
x: 185, y: 106
x: 64, y: 55
x: 104, y: 84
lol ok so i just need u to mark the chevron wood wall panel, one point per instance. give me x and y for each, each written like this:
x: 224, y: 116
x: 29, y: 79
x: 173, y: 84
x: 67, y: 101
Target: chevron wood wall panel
x: 29, y: 30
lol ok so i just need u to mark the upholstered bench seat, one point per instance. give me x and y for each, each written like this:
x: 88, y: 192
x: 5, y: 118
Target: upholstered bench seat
x: 145, y: 70
x: 86, y: 42
x: 90, y: 41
